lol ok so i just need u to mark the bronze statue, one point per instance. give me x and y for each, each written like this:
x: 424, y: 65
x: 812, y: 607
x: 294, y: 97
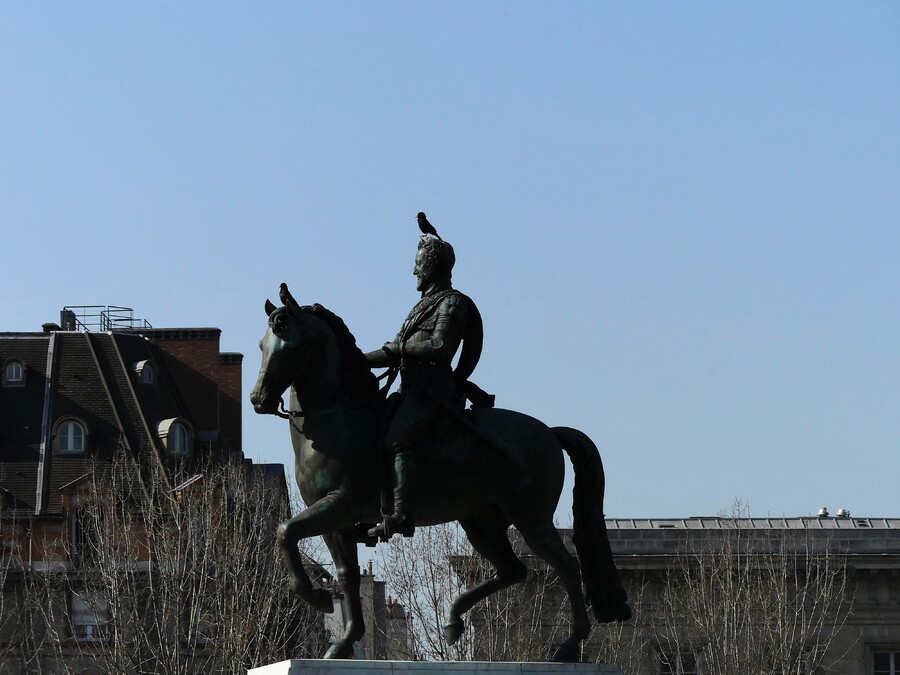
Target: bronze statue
x: 423, y: 351
x: 487, y: 468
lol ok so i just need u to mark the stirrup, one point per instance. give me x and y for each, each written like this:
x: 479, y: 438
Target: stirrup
x: 389, y: 527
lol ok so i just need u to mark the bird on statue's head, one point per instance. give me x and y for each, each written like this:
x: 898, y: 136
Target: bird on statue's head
x: 425, y: 226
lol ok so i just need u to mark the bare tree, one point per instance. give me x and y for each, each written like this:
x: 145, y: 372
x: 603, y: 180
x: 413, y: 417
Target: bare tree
x: 522, y: 623
x: 419, y: 573
x: 157, y: 579
x: 753, y: 600
x: 629, y: 645
x: 525, y: 622
x: 23, y: 600
x: 10, y: 566
x: 731, y: 599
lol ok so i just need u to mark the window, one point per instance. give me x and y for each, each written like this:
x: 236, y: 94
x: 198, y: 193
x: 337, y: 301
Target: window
x: 178, y: 439
x: 89, y: 536
x: 886, y: 663
x: 176, y: 435
x: 678, y: 664
x: 70, y: 438
x: 14, y: 374
x: 145, y: 372
x: 90, y: 617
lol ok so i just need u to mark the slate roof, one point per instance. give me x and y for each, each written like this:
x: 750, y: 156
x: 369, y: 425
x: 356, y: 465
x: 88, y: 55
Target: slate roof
x: 650, y: 542
x: 89, y: 377
x: 21, y: 418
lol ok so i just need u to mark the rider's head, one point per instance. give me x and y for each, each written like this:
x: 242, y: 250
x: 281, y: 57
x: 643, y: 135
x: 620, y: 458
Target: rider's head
x: 434, y: 262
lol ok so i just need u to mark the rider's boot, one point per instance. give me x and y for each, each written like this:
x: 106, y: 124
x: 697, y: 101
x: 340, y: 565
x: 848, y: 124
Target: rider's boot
x: 404, y: 474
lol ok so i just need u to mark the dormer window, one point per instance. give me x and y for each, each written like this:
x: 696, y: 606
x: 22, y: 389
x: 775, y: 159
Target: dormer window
x: 178, y: 440
x: 70, y: 437
x: 14, y: 374
x: 177, y: 437
x: 145, y: 371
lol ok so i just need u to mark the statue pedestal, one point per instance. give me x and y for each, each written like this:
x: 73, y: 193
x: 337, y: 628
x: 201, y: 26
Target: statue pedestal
x: 332, y: 667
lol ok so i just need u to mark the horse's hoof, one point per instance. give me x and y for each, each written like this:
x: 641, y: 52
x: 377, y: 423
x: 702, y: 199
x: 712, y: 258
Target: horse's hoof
x: 453, y: 630
x: 339, y: 651
x: 321, y: 601
x: 619, y: 612
x: 566, y: 653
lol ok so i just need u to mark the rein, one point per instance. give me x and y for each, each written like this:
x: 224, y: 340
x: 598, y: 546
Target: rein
x: 391, y: 375
x: 286, y: 414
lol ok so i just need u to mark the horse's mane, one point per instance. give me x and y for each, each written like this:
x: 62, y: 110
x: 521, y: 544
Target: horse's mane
x: 357, y: 376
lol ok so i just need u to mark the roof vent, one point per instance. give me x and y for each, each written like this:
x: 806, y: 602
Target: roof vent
x: 843, y: 513
x: 823, y: 512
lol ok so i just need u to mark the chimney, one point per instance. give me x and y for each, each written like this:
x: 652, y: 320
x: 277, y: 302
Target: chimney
x: 67, y: 319
x: 191, y: 358
x: 230, y: 365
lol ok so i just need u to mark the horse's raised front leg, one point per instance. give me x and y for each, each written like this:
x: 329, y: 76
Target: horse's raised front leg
x: 343, y: 552
x: 487, y: 534
x: 326, y: 515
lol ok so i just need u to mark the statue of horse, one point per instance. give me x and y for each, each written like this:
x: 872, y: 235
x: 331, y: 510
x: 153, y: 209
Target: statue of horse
x: 336, y: 421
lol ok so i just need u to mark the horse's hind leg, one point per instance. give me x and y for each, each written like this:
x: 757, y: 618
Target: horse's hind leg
x: 326, y: 515
x: 545, y: 542
x: 487, y: 534
x: 343, y: 551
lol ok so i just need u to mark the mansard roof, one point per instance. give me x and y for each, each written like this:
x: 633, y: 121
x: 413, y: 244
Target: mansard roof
x: 89, y: 378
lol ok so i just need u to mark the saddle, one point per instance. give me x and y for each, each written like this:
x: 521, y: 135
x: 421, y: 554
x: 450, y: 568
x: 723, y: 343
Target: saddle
x: 455, y: 418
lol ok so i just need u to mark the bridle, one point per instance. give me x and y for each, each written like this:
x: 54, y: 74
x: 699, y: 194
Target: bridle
x: 290, y: 415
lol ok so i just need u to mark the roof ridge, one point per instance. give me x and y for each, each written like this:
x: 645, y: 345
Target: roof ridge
x: 125, y: 403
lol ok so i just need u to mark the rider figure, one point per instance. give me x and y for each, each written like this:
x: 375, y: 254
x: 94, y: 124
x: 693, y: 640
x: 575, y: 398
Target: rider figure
x: 424, y: 350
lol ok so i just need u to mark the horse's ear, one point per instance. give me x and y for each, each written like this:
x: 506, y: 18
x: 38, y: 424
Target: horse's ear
x: 269, y: 307
x: 292, y: 305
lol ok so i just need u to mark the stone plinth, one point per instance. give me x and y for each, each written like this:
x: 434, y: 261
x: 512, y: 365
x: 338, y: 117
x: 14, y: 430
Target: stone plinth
x: 333, y: 667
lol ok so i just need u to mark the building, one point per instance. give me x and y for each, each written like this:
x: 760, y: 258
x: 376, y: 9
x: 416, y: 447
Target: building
x: 102, y: 398
x: 71, y: 397
x: 803, y: 595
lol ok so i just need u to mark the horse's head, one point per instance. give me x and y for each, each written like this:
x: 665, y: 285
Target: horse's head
x: 282, y: 354
x: 310, y: 346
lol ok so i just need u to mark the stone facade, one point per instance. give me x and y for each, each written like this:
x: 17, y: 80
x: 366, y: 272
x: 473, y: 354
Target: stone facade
x: 659, y: 560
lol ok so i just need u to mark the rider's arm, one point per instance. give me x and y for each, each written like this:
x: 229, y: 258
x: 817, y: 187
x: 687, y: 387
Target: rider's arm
x: 388, y: 355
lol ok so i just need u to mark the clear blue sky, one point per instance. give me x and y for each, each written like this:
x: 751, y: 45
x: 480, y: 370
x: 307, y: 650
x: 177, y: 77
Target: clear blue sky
x: 680, y: 220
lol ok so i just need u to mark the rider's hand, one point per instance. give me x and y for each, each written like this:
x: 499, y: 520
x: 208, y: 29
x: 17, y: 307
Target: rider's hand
x: 392, y: 349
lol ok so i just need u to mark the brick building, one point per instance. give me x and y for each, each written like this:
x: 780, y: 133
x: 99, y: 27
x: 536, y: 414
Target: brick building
x: 97, y: 387
x: 72, y: 397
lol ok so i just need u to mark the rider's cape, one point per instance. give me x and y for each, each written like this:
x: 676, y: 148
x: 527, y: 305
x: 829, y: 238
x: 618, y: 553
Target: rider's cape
x: 473, y: 341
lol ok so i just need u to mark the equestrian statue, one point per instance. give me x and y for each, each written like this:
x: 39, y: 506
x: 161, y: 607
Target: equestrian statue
x: 370, y: 465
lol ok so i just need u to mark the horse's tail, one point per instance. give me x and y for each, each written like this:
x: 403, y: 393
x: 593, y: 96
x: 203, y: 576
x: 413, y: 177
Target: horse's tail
x: 604, y: 590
